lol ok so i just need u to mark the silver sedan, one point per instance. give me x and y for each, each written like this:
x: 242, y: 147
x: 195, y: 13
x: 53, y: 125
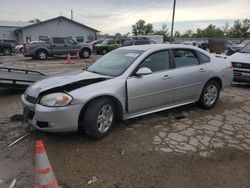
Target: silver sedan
x: 126, y: 83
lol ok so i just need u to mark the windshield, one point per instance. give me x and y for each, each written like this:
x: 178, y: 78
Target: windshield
x: 245, y: 49
x: 105, y: 42
x: 115, y: 63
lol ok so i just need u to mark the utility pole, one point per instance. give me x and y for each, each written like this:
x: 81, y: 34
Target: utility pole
x: 172, y: 27
x: 71, y: 14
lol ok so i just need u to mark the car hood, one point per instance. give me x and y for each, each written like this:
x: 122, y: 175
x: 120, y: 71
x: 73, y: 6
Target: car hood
x: 240, y: 57
x: 67, y: 81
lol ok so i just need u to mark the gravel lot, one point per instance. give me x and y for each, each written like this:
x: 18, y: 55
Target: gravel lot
x: 182, y: 147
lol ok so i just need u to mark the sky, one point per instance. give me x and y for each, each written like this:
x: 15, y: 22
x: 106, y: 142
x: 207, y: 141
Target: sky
x: 113, y: 16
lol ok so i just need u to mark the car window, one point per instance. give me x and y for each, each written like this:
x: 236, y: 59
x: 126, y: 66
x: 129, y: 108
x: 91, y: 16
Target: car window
x: 185, y: 57
x: 203, y: 58
x: 68, y: 41
x: 58, y: 40
x: 158, y: 61
x: 128, y: 43
x: 141, y: 42
x: 152, y: 42
x: 111, y: 42
x: 99, y: 41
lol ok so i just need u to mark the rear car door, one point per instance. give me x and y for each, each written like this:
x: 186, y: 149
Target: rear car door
x: 151, y: 91
x: 189, y: 75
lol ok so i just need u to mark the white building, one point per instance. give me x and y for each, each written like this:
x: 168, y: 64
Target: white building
x: 55, y: 27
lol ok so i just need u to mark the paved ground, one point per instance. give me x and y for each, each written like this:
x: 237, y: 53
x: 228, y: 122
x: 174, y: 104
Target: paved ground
x: 182, y: 147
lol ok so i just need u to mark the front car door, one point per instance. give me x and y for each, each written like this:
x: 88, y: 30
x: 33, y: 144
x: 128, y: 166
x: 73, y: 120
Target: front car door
x: 71, y: 46
x: 189, y: 75
x: 58, y: 46
x: 152, y: 91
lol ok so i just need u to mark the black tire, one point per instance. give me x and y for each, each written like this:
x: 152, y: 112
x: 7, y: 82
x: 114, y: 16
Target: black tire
x: 85, y: 53
x: 21, y: 50
x: 41, y: 55
x: 206, y: 97
x: 104, y: 51
x: 89, y: 123
x: 7, y: 51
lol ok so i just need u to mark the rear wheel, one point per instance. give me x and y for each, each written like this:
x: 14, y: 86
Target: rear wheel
x: 98, y: 118
x: 210, y: 95
x: 42, y: 55
x: 85, y: 53
x: 7, y: 51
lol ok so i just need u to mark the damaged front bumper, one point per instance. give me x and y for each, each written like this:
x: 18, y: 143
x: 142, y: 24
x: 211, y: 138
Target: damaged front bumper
x: 52, y: 119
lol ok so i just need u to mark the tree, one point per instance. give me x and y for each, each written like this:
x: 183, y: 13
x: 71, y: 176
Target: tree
x: 163, y: 32
x: 177, y: 34
x: 189, y: 33
x: 118, y: 35
x: 240, y: 29
x: 209, y: 32
x: 225, y: 29
x: 141, y: 28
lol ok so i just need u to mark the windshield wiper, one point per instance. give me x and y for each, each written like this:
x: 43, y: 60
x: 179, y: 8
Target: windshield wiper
x: 94, y: 72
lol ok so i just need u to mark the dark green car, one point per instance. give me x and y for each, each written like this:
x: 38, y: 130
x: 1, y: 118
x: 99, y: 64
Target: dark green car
x: 107, y: 46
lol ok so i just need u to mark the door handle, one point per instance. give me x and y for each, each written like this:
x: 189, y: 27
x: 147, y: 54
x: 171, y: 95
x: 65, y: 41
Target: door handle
x: 53, y: 45
x: 202, y: 70
x: 165, y: 77
x: 65, y: 45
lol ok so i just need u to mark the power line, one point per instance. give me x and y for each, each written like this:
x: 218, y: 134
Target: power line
x: 121, y: 12
x: 150, y: 6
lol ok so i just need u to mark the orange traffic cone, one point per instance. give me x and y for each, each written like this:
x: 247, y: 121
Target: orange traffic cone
x: 68, y: 59
x: 44, y: 173
x: 77, y: 55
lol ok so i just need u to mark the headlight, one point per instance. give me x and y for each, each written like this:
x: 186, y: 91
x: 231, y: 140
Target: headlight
x: 56, y: 99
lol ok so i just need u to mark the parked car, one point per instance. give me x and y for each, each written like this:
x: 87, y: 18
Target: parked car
x: 203, y: 45
x: 7, y: 48
x: 236, y: 47
x: 56, y: 46
x: 126, y: 83
x: 94, y: 43
x: 19, y: 48
x: 132, y: 42
x: 107, y: 46
x: 241, y: 64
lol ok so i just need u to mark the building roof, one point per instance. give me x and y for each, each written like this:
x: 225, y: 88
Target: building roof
x: 59, y: 17
x: 14, y: 23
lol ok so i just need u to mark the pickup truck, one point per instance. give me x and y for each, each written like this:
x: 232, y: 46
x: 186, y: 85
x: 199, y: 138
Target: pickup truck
x: 6, y: 48
x: 56, y: 46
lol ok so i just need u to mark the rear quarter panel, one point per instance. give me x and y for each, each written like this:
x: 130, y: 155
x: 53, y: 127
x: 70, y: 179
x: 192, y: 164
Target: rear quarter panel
x: 219, y: 67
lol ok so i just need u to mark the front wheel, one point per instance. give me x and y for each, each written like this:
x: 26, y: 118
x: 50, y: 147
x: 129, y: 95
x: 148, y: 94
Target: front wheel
x: 209, y: 95
x: 99, y: 118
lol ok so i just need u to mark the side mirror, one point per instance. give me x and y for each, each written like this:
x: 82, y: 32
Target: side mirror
x: 143, y: 71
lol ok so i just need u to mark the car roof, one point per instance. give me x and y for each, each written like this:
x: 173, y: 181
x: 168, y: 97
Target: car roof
x: 158, y: 47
